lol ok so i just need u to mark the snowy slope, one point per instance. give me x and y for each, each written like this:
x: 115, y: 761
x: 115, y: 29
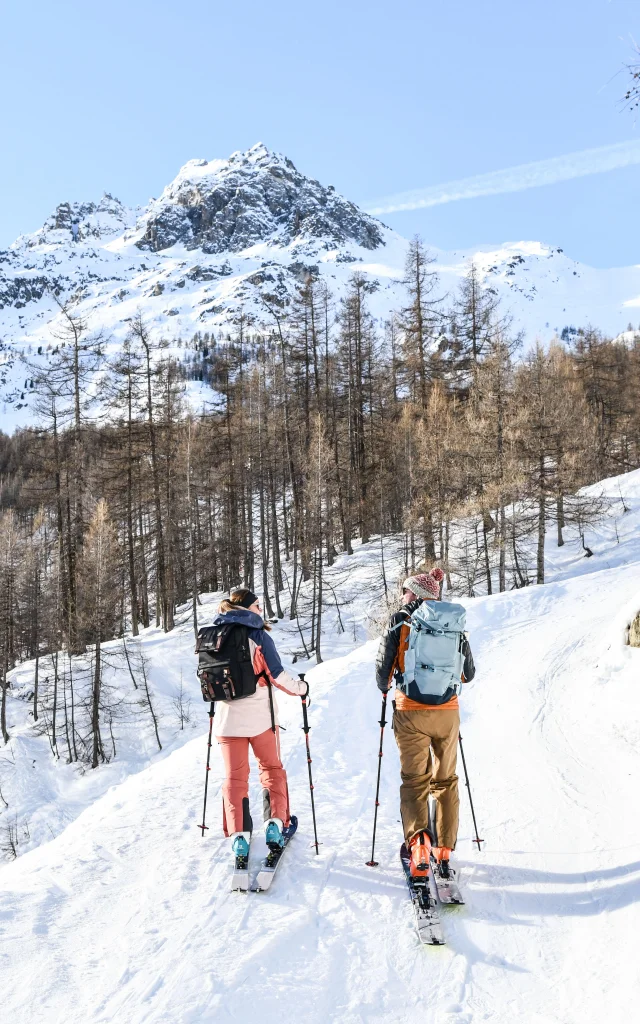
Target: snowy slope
x: 224, y: 235
x: 126, y: 915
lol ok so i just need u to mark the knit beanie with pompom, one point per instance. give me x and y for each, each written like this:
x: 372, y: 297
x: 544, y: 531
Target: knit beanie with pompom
x: 425, y: 585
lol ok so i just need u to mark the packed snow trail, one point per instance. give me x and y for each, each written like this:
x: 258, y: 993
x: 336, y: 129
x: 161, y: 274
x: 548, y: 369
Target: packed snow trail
x: 127, y: 916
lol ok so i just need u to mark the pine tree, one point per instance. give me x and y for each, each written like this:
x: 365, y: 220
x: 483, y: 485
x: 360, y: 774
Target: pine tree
x: 99, y: 590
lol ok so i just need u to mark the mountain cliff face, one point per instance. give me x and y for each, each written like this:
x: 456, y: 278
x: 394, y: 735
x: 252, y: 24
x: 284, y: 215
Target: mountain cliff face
x: 257, y: 196
x: 238, y: 236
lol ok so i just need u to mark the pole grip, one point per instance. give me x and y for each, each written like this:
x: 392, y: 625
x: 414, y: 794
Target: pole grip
x: 305, y: 720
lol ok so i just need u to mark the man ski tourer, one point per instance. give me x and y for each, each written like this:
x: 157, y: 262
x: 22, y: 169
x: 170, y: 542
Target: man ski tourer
x: 239, y: 667
x: 425, y: 651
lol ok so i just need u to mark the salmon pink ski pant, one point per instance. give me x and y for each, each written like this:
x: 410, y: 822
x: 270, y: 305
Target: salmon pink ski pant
x: 235, y: 788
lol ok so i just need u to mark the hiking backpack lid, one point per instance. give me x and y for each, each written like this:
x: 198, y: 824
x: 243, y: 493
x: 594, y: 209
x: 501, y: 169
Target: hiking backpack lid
x: 434, y: 661
x: 225, y: 667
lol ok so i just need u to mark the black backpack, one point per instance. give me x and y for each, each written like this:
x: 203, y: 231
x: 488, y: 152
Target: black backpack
x: 225, y: 669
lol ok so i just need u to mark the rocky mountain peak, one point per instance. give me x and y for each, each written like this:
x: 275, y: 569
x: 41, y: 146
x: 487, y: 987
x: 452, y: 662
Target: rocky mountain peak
x: 68, y: 213
x: 260, y: 155
x: 254, y: 196
x: 82, y: 222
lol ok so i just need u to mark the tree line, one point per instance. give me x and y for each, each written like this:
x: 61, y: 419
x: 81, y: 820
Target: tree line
x: 320, y: 430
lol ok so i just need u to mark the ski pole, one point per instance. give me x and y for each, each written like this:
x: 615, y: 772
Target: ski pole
x: 305, y: 729
x: 212, y: 712
x: 383, y: 721
x: 466, y: 776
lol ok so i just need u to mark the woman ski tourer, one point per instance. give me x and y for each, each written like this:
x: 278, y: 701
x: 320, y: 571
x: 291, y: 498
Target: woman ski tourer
x: 426, y: 652
x: 240, y: 669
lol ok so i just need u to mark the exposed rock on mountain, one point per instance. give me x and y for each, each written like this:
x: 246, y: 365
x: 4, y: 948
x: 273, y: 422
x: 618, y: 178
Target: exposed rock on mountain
x: 257, y: 196
x: 83, y: 221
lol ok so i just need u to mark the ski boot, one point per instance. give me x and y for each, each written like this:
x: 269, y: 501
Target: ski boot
x: 441, y: 855
x: 419, y: 851
x: 290, y: 829
x: 273, y: 834
x: 240, y: 848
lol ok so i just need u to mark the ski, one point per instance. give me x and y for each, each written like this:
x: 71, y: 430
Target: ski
x: 448, y: 889
x: 424, y: 904
x: 240, y: 879
x: 269, y: 866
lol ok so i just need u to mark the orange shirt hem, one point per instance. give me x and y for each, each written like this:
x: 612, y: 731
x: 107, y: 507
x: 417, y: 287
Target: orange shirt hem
x: 404, y: 703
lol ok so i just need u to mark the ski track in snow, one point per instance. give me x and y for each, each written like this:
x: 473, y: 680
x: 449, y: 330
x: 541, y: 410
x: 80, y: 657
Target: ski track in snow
x: 126, y: 915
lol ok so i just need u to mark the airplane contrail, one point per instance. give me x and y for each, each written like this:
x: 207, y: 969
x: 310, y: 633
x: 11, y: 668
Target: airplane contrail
x: 514, y: 179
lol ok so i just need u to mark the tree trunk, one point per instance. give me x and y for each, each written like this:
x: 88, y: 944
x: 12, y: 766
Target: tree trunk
x: 319, y: 615
x: 73, y: 712
x: 161, y: 583
x: 275, y: 543
x: 54, y: 712
x: 502, y: 574
x: 560, y: 518
x: 541, y: 532
x: 192, y: 536
x: 133, y: 593
x: 3, y: 700
x: 95, y: 708
x: 485, y: 549
x: 36, y: 640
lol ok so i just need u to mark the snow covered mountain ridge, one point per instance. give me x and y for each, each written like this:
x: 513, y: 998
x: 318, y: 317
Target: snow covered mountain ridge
x: 226, y: 235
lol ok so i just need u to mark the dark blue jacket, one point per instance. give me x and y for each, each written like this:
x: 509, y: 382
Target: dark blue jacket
x: 263, y: 650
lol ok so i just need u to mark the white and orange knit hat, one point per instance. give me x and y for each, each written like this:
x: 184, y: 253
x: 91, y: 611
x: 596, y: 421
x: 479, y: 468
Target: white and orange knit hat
x: 424, y: 584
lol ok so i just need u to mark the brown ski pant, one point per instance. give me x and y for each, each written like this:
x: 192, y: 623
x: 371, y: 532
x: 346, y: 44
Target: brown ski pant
x: 428, y: 745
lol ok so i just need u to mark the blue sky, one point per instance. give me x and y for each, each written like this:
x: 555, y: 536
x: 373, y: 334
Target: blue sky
x: 374, y: 97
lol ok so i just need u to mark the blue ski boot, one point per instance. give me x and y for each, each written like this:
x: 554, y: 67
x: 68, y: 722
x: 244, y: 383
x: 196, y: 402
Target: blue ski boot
x: 240, y: 848
x: 273, y: 834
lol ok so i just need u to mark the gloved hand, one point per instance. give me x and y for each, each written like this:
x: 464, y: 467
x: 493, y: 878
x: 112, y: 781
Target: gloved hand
x: 306, y: 693
x: 384, y: 686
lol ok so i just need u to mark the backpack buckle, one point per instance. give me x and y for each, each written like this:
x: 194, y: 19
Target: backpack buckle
x: 227, y: 684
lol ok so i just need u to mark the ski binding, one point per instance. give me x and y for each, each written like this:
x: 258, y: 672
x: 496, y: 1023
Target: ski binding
x: 424, y: 903
x: 240, y: 879
x: 269, y: 866
x: 448, y: 889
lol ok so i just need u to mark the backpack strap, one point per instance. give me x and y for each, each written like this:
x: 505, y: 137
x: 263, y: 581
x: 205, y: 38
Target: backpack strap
x: 220, y: 633
x: 402, y: 622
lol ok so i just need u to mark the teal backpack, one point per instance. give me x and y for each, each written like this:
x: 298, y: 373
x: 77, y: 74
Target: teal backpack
x: 434, y: 660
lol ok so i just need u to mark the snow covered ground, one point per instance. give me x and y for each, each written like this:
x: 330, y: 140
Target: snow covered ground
x: 126, y: 916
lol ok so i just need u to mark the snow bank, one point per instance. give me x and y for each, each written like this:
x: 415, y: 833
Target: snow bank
x: 126, y: 914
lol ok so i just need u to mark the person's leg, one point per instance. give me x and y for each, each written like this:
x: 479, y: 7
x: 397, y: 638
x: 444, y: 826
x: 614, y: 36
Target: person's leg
x: 444, y: 786
x: 235, y: 788
x: 415, y: 769
x: 273, y: 777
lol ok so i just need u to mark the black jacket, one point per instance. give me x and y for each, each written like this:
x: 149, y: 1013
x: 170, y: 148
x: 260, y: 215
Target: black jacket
x: 390, y: 641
